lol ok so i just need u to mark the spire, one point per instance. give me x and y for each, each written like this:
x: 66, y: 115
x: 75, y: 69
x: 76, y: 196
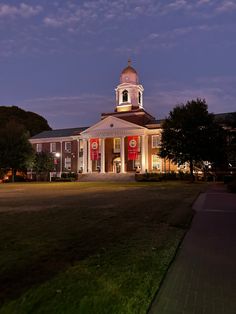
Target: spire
x: 129, y: 62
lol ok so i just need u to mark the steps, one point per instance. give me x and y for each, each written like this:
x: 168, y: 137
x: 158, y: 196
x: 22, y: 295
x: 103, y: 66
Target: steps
x: 91, y: 177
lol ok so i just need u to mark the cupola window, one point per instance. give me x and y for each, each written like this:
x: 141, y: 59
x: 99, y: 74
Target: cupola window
x: 125, y: 96
x: 139, y: 98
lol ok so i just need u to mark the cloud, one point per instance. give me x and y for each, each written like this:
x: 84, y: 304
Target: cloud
x: 54, y: 22
x: 178, y: 4
x: 203, y: 2
x: 169, y: 39
x: 101, y: 11
x: 226, y: 6
x: 23, y: 10
x: 153, y: 36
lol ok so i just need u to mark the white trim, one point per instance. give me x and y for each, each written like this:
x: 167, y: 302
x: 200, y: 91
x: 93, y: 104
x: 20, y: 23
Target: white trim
x: 52, y: 139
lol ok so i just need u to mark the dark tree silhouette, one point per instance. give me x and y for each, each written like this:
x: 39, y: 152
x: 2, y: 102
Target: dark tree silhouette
x: 190, y: 134
x: 31, y: 121
x: 16, y: 152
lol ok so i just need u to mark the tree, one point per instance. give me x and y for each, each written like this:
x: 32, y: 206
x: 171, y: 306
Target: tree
x: 230, y: 124
x: 190, y: 134
x: 16, y: 152
x: 43, y: 164
x: 31, y: 121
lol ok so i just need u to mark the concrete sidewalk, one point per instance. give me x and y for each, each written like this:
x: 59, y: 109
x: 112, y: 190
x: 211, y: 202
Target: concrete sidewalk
x: 202, y: 279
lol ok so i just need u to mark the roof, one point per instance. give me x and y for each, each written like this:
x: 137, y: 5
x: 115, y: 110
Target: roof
x: 129, y: 69
x: 136, y: 116
x: 223, y: 116
x: 59, y: 133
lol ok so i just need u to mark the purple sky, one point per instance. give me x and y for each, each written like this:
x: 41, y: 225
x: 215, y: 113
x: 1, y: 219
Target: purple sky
x: 62, y: 59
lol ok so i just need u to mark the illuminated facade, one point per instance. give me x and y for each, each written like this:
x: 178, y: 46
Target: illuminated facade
x: 125, y: 140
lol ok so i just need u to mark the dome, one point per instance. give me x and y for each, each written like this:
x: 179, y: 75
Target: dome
x: 129, y: 69
x: 129, y: 75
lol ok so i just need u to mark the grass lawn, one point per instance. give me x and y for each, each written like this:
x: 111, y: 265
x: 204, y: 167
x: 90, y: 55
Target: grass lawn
x: 88, y: 247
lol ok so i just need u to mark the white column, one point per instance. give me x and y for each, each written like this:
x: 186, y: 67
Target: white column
x: 103, y: 155
x: 146, y: 152
x: 85, y: 156
x: 143, y: 154
x: 89, y: 158
x: 122, y: 155
x: 61, y: 160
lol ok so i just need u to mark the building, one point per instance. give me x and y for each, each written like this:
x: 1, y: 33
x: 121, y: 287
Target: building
x: 125, y: 140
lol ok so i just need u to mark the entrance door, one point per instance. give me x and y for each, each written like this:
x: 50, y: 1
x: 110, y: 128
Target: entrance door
x: 117, y: 165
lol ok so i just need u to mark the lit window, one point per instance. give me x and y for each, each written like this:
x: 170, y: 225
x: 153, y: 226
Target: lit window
x: 155, y: 141
x: 81, y: 146
x: 39, y: 148
x: 53, y: 147
x: 125, y: 96
x: 68, y: 147
x: 137, y: 163
x: 68, y: 163
x: 156, y: 163
x: 116, y: 145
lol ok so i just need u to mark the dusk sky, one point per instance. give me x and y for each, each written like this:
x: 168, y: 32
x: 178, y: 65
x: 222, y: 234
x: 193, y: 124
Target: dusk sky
x: 62, y: 59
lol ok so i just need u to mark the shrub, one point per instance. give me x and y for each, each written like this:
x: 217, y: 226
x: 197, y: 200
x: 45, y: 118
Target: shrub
x: 148, y: 177
x: 157, y: 177
x: 169, y: 176
x: 69, y: 175
x: 232, y: 186
x: 183, y: 175
x: 228, y: 179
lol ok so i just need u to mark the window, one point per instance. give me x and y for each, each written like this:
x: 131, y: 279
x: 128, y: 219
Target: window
x: 137, y: 164
x: 53, y: 147
x: 139, y: 98
x: 116, y: 145
x: 155, y: 141
x: 156, y: 163
x: 39, y: 148
x: 81, y: 146
x: 68, y: 147
x: 68, y: 163
x: 125, y: 96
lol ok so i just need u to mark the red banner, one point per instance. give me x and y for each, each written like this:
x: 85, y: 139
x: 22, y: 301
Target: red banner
x: 132, y: 147
x: 94, y: 148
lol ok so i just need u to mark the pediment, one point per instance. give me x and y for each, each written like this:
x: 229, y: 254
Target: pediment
x: 112, y: 123
x: 111, y: 126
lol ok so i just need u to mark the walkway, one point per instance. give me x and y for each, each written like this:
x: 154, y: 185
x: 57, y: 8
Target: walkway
x: 202, y: 279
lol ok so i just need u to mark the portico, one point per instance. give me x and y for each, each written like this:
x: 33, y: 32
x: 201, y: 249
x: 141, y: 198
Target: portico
x: 113, y: 134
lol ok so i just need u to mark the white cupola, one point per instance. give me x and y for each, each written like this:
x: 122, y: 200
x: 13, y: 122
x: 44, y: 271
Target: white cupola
x: 129, y: 93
